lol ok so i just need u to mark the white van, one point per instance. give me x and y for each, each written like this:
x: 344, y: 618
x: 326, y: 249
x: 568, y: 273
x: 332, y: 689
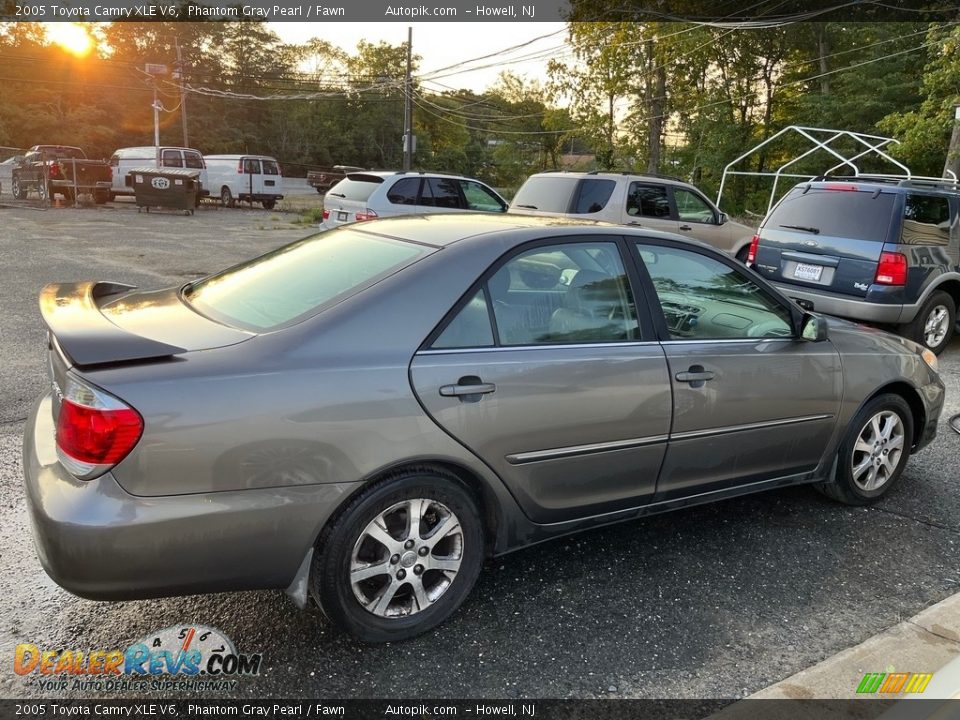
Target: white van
x: 251, y: 178
x: 126, y: 159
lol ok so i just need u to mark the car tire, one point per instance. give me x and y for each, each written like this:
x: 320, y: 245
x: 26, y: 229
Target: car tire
x: 19, y: 191
x: 68, y: 197
x: 934, y: 324
x: 226, y: 197
x: 416, y: 566
x: 873, y: 453
x: 101, y: 197
x: 269, y: 204
x: 43, y: 191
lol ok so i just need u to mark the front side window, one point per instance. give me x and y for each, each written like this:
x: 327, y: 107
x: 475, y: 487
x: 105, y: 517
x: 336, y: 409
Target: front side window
x: 171, y: 158
x: 298, y: 280
x: 480, y: 198
x: 705, y: 299
x: 926, y: 220
x: 691, y: 207
x: 193, y: 160
x: 648, y: 201
x: 565, y: 293
x: 404, y: 192
x: 270, y: 167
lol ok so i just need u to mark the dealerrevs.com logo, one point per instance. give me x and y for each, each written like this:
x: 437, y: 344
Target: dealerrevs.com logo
x: 182, y: 657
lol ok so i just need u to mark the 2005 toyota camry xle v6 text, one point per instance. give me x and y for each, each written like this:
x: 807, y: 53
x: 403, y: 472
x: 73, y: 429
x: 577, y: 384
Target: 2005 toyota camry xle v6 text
x: 364, y: 416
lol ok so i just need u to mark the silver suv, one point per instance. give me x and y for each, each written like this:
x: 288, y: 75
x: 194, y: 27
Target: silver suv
x: 373, y: 194
x: 651, y: 201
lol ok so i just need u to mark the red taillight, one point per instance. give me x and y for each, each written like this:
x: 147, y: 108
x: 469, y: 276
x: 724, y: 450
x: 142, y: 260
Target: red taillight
x: 892, y: 269
x: 326, y: 214
x: 95, y: 430
x: 97, y: 437
x: 752, y: 252
x: 54, y: 169
x: 240, y: 168
x: 368, y: 214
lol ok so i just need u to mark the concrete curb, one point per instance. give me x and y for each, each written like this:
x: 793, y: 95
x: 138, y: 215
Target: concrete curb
x: 925, y: 643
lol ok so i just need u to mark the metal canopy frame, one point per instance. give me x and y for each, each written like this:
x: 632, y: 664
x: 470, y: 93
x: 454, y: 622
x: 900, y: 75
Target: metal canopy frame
x: 821, y: 139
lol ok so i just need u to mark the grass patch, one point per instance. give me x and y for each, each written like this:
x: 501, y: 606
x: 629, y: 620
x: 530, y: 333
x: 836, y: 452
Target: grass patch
x: 310, y: 216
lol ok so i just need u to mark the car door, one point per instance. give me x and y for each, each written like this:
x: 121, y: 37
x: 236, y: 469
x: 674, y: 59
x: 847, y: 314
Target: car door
x: 548, y: 372
x: 647, y: 205
x: 252, y: 178
x: 751, y: 401
x: 696, y: 218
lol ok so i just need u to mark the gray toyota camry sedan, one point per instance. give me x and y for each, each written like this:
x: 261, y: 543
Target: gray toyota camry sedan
x: 364, y: 416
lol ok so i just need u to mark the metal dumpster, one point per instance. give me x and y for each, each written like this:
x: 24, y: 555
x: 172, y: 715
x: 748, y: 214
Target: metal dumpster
x: 173, y: 188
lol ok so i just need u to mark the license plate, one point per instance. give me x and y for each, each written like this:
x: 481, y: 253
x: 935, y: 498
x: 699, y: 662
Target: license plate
x: 807, y: 272
x: 341, y: 216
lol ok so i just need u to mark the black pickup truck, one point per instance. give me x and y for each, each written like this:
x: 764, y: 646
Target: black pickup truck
x: 325, y: 178
x: 51, y: 169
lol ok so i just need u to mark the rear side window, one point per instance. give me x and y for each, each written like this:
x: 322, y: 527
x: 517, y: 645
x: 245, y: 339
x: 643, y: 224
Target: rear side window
x: 298, y: 280
x: 404, y: 192
x: 834, y: 213
x: 445, y: 193
x: 270, y: 168
x: 470, y: 328
x: 593, y: 195
x: 171, y: 158
x: 926, y: 220
x: 647, y: 201
x: 356, y: 187
x: 550, y: 194
x: 480, y: 198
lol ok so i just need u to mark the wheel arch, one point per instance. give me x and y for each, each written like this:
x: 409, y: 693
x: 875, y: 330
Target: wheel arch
x: 478, y: 487
x: 951, y: 286
x: 912, y: 398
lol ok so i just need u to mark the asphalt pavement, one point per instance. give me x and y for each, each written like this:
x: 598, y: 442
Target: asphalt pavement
x: 714, y: 602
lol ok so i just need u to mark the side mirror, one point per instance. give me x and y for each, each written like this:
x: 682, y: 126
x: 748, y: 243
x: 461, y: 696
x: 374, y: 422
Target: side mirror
x: 722, y: 218
x: 813, y: 328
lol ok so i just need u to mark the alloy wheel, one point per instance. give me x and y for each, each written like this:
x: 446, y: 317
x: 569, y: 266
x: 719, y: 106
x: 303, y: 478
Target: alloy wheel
x: 936, y: 326
x: 877, y: 451
x: 406, y: 558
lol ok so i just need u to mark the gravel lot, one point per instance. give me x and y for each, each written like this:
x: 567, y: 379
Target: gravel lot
x: 717, y: 601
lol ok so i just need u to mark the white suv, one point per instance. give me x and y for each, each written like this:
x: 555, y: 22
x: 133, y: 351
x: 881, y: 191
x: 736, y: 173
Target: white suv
x: 653, y: 201
x: 375, y: 194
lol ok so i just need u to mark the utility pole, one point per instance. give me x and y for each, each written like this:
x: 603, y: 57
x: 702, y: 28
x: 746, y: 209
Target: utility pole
x: 183, y: 95
x: 156, y: 123
x: 408, y: 105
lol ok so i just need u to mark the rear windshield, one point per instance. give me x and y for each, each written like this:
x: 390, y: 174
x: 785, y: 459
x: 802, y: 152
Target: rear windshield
x: 297, y: 281
x: 551, y: 194
x: 834, y: 213
x: 356, y: 187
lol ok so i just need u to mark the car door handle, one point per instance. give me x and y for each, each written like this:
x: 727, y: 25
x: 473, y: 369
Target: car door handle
x: 468, y: 389
x: 686, y: 227
x: 634, y: 222
x: 696, y: 376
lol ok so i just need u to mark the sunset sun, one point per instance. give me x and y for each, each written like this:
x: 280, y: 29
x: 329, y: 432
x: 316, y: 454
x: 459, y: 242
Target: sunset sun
x: 72, y: 37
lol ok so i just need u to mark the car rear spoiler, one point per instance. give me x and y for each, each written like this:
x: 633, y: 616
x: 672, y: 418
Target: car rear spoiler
x: 72, y: 313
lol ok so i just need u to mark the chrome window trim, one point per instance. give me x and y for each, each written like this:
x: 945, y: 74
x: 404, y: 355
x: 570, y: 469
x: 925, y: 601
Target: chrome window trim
x: 589, y: 449
x: 727, y: 429
x: 544, y: 346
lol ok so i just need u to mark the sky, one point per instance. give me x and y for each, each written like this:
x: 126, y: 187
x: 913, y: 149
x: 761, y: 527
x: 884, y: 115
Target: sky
x: 441, y: 44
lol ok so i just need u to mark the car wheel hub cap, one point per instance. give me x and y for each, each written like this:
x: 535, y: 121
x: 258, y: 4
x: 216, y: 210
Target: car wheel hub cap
x: 406, y: 558
x: 936, y: 327
x: 877, y: 451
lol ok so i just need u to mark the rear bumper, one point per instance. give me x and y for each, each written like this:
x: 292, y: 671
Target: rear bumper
x: 847, y: 307
x: 99, y: 542
x: 259, y: 197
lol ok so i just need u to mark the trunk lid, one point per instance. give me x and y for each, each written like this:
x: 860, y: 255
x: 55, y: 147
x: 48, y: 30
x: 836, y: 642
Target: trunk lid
x: 827, y: 237
x: 101, y: 322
